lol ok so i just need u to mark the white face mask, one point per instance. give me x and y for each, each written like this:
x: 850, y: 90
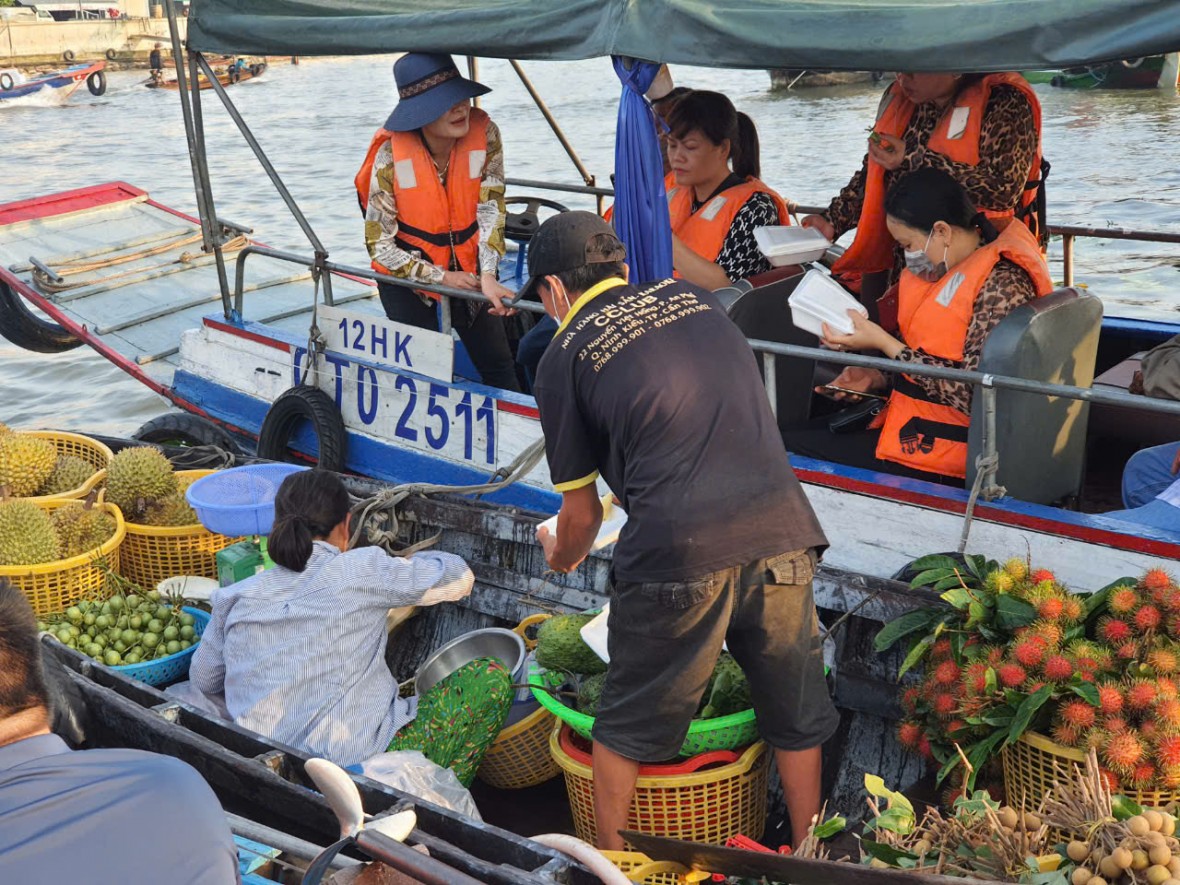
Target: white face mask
x: 920, y: 264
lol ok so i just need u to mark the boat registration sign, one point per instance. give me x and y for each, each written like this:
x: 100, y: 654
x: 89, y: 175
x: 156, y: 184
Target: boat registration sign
x: 433, y: 417
x: 386, y: 343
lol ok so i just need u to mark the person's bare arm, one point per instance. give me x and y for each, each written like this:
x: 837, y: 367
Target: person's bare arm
x: 578, y: 523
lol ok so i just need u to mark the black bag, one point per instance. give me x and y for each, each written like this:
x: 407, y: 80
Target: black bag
x: 856, y: 417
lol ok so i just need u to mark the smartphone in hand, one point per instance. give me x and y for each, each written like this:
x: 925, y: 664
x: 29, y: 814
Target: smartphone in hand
x: 832, y: 388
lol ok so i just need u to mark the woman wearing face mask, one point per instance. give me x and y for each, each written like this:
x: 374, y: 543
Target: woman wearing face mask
x: 432, y: 192
x: 961, y: 278
x: 985, y: 130
x: 718, y: 199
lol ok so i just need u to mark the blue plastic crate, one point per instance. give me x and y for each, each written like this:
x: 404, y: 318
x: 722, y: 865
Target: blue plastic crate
x: 170, y: 668
x: 240, y: 501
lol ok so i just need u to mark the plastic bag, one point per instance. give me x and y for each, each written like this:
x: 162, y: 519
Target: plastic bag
x: 411, y: 772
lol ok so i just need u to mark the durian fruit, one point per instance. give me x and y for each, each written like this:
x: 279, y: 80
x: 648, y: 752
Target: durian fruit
x: 138, y: 477
x: 25, y: 463
x: 82, y: 527
x: 27, y: 536
x: 4, y: 428
x: 171, y: 511
x: 69, y: 473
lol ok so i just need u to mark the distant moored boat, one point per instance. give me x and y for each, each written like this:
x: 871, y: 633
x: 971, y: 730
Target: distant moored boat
x: 51, y: 88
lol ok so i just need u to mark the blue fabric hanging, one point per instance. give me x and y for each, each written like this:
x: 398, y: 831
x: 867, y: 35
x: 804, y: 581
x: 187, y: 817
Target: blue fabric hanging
x: 641, y: 206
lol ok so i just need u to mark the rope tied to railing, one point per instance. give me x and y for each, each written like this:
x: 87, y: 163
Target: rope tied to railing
x: 377, y: 518
x: 985, y: 467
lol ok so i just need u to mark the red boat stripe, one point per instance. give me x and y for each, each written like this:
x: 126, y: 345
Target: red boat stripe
x: 68, y: 201
x: 239, y: 332
x: 517, y: 409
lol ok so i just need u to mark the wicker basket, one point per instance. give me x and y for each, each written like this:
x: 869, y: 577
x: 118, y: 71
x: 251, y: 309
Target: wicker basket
x: 638, y: 867
x: 708, y: 804
x: 1034, y: 763
x: 152, y: 553
x: 520, y: 756
x: 54, y: 586
x: 89, y: 450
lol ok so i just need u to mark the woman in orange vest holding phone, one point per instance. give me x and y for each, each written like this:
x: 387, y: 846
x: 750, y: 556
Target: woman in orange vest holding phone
x: 984, y: 130
x: 432, y: 191
x: 718, y: 199
x: 961, y: 277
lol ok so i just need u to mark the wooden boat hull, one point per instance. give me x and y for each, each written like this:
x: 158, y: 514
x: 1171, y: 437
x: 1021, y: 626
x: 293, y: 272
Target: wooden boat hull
x: 224, y: 79
x: 790, y: 78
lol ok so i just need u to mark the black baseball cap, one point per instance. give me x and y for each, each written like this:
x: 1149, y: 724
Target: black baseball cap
x: 563, y: 243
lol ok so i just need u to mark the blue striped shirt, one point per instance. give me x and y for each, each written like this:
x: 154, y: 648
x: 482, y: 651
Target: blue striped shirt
x: 300, y: 656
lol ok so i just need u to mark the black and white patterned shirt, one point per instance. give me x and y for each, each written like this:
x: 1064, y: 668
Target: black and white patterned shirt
x: 739, y: 256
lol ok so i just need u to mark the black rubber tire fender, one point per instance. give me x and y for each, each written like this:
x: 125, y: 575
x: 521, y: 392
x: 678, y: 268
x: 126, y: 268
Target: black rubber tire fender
x: 68, y: 55
x: 97, y: 83
x: 187, y: 429
x: 294, y: 406
x: 112, y: 54
x: 6, y: 81
x: 25, y: 329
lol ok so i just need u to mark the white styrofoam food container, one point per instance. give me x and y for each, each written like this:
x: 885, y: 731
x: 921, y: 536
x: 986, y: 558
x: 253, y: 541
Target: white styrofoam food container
x: 819, y: 299
x: 613, y: 520
x: 790, y: 245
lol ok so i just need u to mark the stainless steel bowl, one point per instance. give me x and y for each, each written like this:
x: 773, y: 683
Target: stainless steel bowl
x: 492, y: 642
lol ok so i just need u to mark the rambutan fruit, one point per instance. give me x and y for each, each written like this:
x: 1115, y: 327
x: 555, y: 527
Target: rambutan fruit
x: 1141, y: 694
x: 924, y: 747
x: 956, y: 729
x: 910, y: 698
x: 1002, y: 582
x: 1128, y: 651
x: 1123, y: 751
x: 974, y: 706
x: 1112, y: 779
x: 975, y: 678
x: 944, y: 704
x: 1122, y: 600
x: 1114, y: 630
x: 1051, y: 609
x: 1095, y: 739
x: 1058, y: 668
x: 1142, y: 776
x: 947, y: 673
x: 1072, y: 610
x: 1167, y: 714
x: 993, y: 655
x: 1041, y: 575
x: 941, y: 649
x: 909, y: 734
x: 1167, y: 688
x: 1110, y: 699
x: 1114, y: 724
x: 1077, y: 714
x: 1149, y: 730
x: 1047, y: 631
x: 1147, y: 617
x: 1171, y: 600
x: 1029, y: 652
x: 1173, y: 626
x: 1017, y: 568
x: 1011, y: 675
x: 1157, y: 579
x: 1035, y: 685
x: 1066, y: 735
x: 1163, y: 661
x: 1169, y: 776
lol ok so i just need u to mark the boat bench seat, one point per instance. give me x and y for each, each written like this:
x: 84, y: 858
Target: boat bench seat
x: 1130, y: 425
x: 1041, y: 439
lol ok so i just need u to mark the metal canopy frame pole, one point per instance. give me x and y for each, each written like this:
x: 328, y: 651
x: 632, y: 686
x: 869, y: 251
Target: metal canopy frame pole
x: 473, y: 73
x: 321, y: 253
x: 210, y: 208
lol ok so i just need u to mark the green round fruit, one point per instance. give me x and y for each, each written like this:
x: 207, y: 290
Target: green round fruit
x: 163, y: 612
x: 136, y: 622
x: 171, y: 632
x: 129, y: 636
x: 115, y: 603
x: 89, y: 619
x: 112, y: 658
x: 74, y: 614
x: 155, y: 625
x: 101, y: 641
x: 63, y: 634
x: 150, y: 640
x: 103, y: 621
x: 122, y: 622
x: 185, y: 644
x: 187, y: 632
x: 42, y: 626
x: 133, y: 600
x: 120, y: 646
x: 94, y: 650
x: 172, y: 647
x: 153, y: 595
x: 132, y: 658
x: 187, y: 620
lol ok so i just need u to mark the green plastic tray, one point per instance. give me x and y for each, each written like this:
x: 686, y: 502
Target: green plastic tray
x: 704, y: 735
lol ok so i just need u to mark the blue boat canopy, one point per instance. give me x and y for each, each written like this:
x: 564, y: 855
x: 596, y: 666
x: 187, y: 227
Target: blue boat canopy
x: 862, y: 35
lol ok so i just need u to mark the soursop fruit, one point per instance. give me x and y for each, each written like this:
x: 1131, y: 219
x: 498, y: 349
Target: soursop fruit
x: 171, y: 511
x: 589, y: 693
x: 25, y: 463
x: 138, y: 477
x: 68, y: 474
x: 560, y: 646
x: 82, y: 527
x: 728, y: 690
x: 27, y: 536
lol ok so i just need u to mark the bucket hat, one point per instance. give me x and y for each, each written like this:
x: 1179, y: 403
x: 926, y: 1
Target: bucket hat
x: 428, y: 85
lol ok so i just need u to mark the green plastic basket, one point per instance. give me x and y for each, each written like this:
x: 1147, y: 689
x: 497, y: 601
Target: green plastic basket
x: 704, y: 735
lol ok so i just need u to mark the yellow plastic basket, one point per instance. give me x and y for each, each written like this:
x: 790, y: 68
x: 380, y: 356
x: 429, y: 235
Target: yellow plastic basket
x: 89, y: 450
x: 638, y: 867
x: 702, y: 806
x: 1034, y: 763
x: 520, y: 756
x: 54, y: 586
x: 152, y: 553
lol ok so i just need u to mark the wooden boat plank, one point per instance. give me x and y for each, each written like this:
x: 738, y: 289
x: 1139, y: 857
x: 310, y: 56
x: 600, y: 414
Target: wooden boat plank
x: 87, y: 230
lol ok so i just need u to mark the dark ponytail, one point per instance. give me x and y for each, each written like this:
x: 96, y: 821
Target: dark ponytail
x: 714, y: 116
x: 308, y: 506
x: 929, y: 195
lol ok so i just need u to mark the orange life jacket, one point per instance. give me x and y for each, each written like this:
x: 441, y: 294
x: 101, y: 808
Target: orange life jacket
x: 956, y: 137
x: 438, y: 222
x: 934, y: 317
x: 705, y: 230
x: 669, y: 183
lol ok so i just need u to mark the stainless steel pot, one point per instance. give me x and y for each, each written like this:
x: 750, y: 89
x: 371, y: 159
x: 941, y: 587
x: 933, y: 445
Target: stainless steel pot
x: 491, y: 642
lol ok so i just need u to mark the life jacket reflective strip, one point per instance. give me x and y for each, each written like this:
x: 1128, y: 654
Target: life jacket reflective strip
x: 669, y: 183
x: 705, y: 230
x: 934, y: 317
x: 439, y: 223
x: 956, y: 136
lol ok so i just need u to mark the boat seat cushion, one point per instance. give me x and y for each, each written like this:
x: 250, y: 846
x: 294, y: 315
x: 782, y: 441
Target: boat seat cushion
x: 1041, y: 440
x: 1130, y: 425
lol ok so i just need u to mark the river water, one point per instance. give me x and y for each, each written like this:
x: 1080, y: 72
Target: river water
x: 1113, y: 156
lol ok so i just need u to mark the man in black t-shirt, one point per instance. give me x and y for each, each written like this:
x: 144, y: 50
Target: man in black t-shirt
x: 656, y: 391
x: 156, y: 63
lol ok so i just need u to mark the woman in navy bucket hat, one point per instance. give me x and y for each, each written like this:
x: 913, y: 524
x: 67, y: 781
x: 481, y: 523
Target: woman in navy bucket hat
x: 432, y: 191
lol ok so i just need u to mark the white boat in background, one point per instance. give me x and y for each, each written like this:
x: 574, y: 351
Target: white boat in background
x: 55, y: 87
